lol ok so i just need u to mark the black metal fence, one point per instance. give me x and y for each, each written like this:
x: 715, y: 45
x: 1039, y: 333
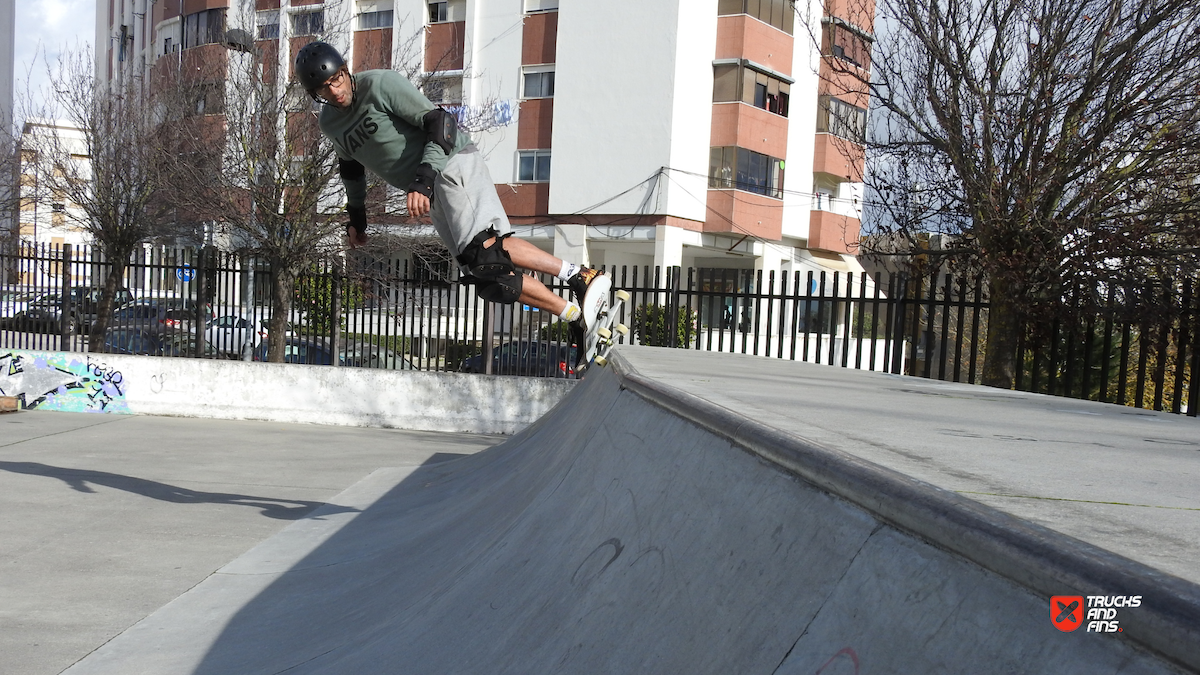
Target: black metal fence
x: 1139, y: 347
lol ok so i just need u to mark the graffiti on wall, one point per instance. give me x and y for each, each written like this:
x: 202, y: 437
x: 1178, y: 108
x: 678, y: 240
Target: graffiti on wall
x: 62, y: 381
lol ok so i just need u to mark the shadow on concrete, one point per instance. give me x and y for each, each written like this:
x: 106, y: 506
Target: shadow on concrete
x: 82, y: 480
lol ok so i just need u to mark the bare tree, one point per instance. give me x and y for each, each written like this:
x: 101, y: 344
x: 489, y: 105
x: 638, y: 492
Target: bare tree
x: 101, y: 152
x: 258, y: 169
x: 1054, y: 142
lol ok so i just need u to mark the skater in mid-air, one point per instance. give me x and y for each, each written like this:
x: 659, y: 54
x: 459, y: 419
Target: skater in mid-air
x: 378, y: 120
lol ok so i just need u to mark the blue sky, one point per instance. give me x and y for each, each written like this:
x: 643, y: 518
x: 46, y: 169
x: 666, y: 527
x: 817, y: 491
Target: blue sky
x: 44, y: 28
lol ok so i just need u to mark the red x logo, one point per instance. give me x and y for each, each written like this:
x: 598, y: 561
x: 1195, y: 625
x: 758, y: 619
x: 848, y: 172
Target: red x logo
x: 1066, y: 612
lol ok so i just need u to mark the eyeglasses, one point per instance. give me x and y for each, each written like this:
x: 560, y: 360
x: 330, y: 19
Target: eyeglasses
x: 326, y: 90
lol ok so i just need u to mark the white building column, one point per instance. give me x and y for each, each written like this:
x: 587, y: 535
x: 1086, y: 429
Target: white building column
x: 668, y: 246
x: 570, y: 244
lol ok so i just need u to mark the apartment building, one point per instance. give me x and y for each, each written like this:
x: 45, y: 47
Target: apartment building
x: 44, y: 217
x: 722, y: 134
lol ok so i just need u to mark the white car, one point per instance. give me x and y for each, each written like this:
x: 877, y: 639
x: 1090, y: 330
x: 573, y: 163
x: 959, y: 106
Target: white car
x: 13, y: 302
x: 231, y: 334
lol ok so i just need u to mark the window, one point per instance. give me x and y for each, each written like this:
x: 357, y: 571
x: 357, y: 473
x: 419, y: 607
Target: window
x: 444, y: 90
x: 267, y: 25
x: 778, y: 13
x: 538, y: 84
x: 381, y: 19
x: 738, y: 82
x: 742, y: 169
x: 309, y: 23
x: 846, y: 42
x: 533, y: 166
x: 540, y: 5
x: 167, y: 46
x: 125, y: 38
x: 438, y: 12
x: 203, y: 28
x: 835, y: 116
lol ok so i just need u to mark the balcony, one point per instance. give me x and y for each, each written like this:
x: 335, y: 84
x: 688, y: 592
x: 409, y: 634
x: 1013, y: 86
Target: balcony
x: 834, y: 231
x: 839, y: 157
x: 740, y: 212
x: 445, y: 45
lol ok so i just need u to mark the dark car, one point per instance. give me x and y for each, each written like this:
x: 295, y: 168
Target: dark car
x: 316, y: 352
x: 132, y: 341
x: 45, y: 313
x: 159, y: 316
x: 542, y: 359
x: 299, y: 350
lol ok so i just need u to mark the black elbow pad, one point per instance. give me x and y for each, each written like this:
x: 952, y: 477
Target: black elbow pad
x: 441, y: 128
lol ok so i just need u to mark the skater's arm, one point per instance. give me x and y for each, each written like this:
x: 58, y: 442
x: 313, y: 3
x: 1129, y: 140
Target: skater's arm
x: 354, y: 177
x: 409, y: 104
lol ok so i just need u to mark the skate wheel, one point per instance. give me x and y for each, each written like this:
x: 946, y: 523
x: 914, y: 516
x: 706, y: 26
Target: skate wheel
x: 601, y: 361
x: 622, y: 329
x: 623, y: 296
x: 604, y: 333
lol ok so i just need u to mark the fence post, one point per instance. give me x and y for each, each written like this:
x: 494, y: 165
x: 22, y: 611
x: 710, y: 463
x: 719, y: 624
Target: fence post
x: 673, y: 306
x: 489, y: 319
x: 335, y: 328
x: 201, y: 280
x: 66, y: 324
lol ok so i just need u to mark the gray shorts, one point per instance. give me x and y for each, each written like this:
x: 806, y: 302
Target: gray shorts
x: 465, y: 202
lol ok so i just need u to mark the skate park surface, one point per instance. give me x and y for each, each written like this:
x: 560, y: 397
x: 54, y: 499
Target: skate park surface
x: 676, y: 512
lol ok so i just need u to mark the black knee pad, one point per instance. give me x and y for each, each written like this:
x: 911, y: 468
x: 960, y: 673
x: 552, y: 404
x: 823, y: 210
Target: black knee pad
x: 504, y: 289
x: 490, y: 262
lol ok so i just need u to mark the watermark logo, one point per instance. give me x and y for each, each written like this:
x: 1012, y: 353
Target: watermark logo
x: 1098, y: 612
x: 1066, y: 612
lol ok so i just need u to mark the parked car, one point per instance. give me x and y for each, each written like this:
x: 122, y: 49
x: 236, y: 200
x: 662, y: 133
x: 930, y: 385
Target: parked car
x: 362, y: 355
x: 13, y: 302
x: 299, y: 350
x: 231, y: 333
x: 45, y: 313
x: 184, y: 344
x: 542, y: 359
x: 158, y: 316
x: 315, y: 351
x: 132, y: 341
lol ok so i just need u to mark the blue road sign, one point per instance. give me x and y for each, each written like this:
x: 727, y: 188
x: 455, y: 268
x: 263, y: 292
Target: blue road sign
x: 186, y: 273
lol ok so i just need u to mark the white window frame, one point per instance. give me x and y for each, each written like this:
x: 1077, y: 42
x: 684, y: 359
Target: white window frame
x: 295, y: 20
x: 391, y: 19
x: 432, y: 21
x: 535, y: 70
x: 536, y: 155
x: 534, y: 6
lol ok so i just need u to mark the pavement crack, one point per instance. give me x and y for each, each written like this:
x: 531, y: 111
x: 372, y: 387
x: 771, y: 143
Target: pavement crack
x: 65, y: 431
x: 832, y: 589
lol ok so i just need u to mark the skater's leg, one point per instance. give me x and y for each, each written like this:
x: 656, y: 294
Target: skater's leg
x: 535, y: 294
x: 527, y: 256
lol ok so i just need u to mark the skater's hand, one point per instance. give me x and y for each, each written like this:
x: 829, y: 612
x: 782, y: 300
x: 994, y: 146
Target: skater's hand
x: 356, y: 236
x: 418, y: 204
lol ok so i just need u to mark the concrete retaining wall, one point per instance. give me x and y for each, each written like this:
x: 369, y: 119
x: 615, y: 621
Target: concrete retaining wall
x: 104, y: 383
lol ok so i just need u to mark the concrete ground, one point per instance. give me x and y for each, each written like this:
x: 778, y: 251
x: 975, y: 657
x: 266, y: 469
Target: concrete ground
x: 106, y: 518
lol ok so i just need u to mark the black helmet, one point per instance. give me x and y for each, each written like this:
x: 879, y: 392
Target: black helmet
x: 316, y: 62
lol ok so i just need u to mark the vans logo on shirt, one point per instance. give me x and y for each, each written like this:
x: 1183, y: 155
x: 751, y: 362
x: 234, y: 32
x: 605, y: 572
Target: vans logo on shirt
x: 361, y: 129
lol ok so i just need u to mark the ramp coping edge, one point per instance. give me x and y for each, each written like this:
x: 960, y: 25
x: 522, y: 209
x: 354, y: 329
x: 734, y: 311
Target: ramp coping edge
x: 1036, y: 557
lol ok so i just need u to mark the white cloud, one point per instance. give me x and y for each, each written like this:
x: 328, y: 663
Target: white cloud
x: 44, y: 29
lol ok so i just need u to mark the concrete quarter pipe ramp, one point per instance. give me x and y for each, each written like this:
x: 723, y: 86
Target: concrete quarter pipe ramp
x: 635, y: 529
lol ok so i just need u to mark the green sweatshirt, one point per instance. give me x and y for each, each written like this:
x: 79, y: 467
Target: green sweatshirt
x: 382, y: 131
